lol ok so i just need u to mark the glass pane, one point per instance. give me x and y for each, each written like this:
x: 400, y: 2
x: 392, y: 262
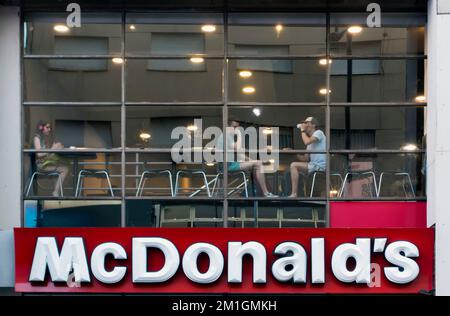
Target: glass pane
x: 72, y: 127
x: 163, y: 213
x: 152, y: 126
x: 268, y: 34
x: 276, y: 214
x: 285, y: 118
x: 49, y: 34
x: 375, y: 80
x: 76, y: 80
x: 72, y: 213
x: 174, y: 34
x: 399, y: 34
x: 281, y: 80
x: 82, y: 174
x: 383, y: 175
x: 377, y: 128
x: 174, y: 80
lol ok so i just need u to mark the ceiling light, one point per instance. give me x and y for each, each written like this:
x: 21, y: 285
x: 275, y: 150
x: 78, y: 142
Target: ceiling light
x: 208, y: 28
x: 117, y: 60
x: 323, y: 91
x: 354, y: 29
x: 410, y: 147
x: 420, y: 98
x: 323, y: 61
x: 197, y: 60
x: 267, y: 131
x: 279, y: 27
x: 245, y: 73
x: 210, y: 164
x: 61, y: 28
x: 272, y: 161
x: 145, y: 136
x: 192, y: 128
x: 248, y: 89
x: 132, y: 27
x: 257, y: 111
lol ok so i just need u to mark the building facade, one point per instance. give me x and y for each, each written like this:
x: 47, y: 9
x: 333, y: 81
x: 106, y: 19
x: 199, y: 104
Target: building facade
x: 114, y: 119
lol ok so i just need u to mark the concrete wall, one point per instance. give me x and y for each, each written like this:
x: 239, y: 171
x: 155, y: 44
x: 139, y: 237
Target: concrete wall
x: 438, y: 150
x: 10, y: 109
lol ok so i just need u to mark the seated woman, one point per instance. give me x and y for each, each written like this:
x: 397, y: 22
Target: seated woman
x: 48, y: 161
x: 243, y: 163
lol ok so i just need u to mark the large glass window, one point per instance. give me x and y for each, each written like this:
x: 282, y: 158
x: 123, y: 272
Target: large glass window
x: 126, y: 119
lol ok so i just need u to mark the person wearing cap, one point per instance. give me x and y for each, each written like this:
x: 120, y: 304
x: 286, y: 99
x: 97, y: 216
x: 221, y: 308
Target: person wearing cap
x: 242, y: 163
x: 315, y: 140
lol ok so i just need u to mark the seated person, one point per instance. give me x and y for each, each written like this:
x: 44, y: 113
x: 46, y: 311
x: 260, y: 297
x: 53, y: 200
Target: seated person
x: 48, y: 161
x: 315, y: 140
x: 242, y: 163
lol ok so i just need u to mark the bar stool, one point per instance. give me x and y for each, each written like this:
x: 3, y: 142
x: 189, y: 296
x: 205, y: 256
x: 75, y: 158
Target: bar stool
x: 337, y: 175
x: 403, y: 174
x: 147, y: 173
x: 45, y: 174
x: 238, y: 187
x: 92, y: 173
x: 369, y: 173
x: 192, y: 172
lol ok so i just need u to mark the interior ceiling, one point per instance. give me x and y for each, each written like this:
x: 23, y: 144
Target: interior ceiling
x: 232, y: 5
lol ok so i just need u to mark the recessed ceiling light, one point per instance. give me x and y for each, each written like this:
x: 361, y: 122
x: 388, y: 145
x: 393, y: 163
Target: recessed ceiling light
x: 117, y: 60
x: 410, y: 147
x: 257, y: 111
x: 324, y: 91
x: 192, y: 128
x: 208, y: 28
x: 267, y: 131
x: 132, y: 27
x: 197, y: 60
x: 248, y: 89
x: 245, y: 73
x: 210, y: 164
x: 354, y: 29
x: 420, y: 98
x: 323, y: 61
x: 61, y: 28
x: 145, y: 135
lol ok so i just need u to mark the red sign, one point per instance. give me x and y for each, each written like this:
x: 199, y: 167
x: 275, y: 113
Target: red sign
x: 219, y: 260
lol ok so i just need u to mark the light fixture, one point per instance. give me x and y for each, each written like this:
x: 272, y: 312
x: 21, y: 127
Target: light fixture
x: 208, y: 28
x: 257, y: 111
x: 410, y: 147
x: 323, y: 91
x: 210, y: 164
x: 117, y: 60
x: 245, y: 73
x: 197, y: 60
x: 278, y: 27
x: 354, y: 29
x: 324, y: 61
x: 61, y: 28
x: 132, y: 27
x: 272, y: 161
x: 192, y: 128
x: 334, y: 193
x: 248, y: 89
x: 267, y: 131
x: 420, y: 98
x: 145, y: 136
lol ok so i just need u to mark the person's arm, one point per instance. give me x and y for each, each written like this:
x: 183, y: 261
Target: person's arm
x: 37, y: 146
x: 307, y: 140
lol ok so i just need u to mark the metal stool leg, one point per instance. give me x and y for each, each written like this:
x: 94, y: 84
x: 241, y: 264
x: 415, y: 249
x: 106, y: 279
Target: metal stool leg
x: 31, y: 183
x: 77, y: 189
x: 343, y: 184
x: 206, y: 183
x: 169, y: 174
x: 109, y: 182
x: 312, y: 184
x: 245, y: 183
x: 177, y: 181
x: 140, y: 184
